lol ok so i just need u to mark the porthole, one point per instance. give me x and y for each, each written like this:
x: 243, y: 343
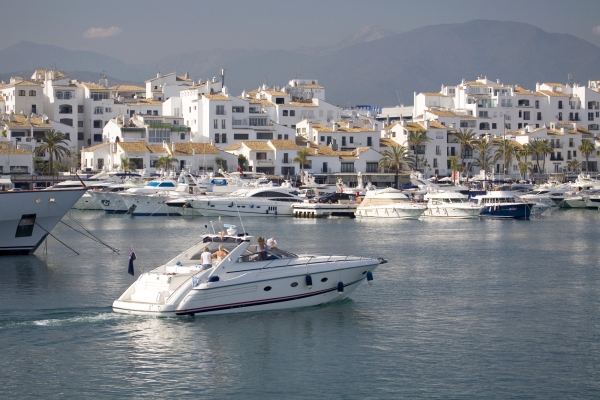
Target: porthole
x: 324, y: 280
x: 267, y: 288
x: 294, y: 284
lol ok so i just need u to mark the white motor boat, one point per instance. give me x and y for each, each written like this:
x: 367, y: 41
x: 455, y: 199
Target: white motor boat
x: 28, y: 216
x: 259, y: 202
x: 245, y: 280
x: 450, y: 205
x: 545, y: 195
x: 389, y: 203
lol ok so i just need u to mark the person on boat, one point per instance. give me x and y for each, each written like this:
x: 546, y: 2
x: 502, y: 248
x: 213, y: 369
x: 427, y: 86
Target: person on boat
x: 271, y: 243
x: 206, y: 258
x: 262, y: 249
x: 219, y: 254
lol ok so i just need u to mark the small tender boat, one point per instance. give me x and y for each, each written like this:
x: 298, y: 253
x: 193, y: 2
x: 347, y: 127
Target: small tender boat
x: 389, y: 203
x: 245, y: 280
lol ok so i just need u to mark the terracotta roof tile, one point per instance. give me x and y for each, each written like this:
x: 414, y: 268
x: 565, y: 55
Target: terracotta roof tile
x: 257, y: 145
x: 128, y: 87
x: 519, y: 90
x: 14, y: 151
x: 552, y: 94
x: 140, y: 146
x: 275, y: 93
x: 433, y: 94
x: 284, y: 144
x: 233, y: 147
x: 96, y: 147
x: 187, y: 149
x: 301, y: 104
x: 218, y: 96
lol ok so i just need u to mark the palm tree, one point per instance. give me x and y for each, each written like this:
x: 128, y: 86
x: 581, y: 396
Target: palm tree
x: 165, y: 161
x: 484, y: 149
x: 524, y: 167
x: 221, y: 163
x: 127, y: 164
x: 417, y: 139
x: 574, y: 165
x: 541, y: 148
x: 53, y: 142
x: 302, y: 159
x: 466, y: 138
x: 525, y: 152
x: 455, y: 165
x: 242, y: 162
x: 507, y: 151
x: 587, y: 148
x: 395, y: 158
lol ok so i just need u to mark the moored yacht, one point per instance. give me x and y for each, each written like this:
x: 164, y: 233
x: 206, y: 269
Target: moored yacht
x: 503, y: 204
x: 389, y: 203
x: 450, y: 205
x: 28, y: 216
x: 246, y: 279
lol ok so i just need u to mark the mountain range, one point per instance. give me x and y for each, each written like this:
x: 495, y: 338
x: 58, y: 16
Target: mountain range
x: 372, y: 66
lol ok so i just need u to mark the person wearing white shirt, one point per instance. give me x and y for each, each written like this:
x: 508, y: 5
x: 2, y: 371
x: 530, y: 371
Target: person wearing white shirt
x: 206, y: 258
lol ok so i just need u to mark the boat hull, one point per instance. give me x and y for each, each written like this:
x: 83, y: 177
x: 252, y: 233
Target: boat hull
x: 87, y: 202
x: 27, y: 217
x: 507, y: 211
x: 392, y: 211
x: 111, y: 203
x: 452, y: 212
x: 234, y: 208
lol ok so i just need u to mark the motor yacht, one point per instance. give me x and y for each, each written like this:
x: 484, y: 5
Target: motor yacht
x: 258, y: 202
x: 246, y: 279
x: 450, y: 205
x: 389, y: 203
x: 28, y: 216
x: 503, y: 204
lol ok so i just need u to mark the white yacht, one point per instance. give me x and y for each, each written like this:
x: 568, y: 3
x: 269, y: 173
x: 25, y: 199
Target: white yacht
x: 113, y: 201
x: 245, y: 280
x: 545, y: 195
x: 259, y: 202
x: 28, y: 216
x: 450, y: 205
x: 389, y: 203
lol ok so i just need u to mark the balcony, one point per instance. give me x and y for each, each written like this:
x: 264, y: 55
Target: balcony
x: 286, y: 161
x: 556, y: 145
x: 552, y: 158
x: 264, y: 162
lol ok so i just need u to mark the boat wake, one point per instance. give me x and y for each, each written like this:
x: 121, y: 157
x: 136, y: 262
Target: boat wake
x: 64, y: 319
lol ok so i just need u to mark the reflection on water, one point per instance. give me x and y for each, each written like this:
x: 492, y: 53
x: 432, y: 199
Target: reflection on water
x: 462, y: 309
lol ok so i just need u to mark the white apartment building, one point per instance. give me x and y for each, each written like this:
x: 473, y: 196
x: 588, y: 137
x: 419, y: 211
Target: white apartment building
x: 342, y: 135
x: 166, y: 86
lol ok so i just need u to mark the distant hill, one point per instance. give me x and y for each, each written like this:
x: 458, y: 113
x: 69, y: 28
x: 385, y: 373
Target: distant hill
x: 371, y: 66
x: 31, y: 56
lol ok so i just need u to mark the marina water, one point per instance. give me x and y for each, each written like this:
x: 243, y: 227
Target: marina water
x: 463, y: 309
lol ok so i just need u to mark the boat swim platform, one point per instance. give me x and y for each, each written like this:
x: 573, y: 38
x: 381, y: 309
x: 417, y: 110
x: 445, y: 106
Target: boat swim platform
x: 323, y: 210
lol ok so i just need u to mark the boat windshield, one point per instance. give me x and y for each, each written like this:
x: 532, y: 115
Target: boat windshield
x: 251, y: 254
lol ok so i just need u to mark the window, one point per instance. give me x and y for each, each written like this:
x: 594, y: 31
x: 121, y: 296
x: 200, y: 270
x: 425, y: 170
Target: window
x: 79, y: 135
x: 526, y: 115
x: 347, y: 167
x: 67, y: 95
x: 67, y: 121
x: 59, y: 95
x: 216, y: 124
x: 279, y: 100
x: 372, y: 167
x: 155, y: 112
x: 240, y: 136
x: 484, y: 126
x: 435, y: 163
x: 369, y: 141
x: 537, y: 104
x: 285, y: 137
x: 223, y: 124
x: 494, y: 126
x: 464, y: 124
x: 285, y: 113
x: 34, y: 108
x: 343, y: 141
x: 593, y: 127
x: 258, y: 121
x: 98, y: 110
x: 107, y: 109
x: 98, y: 123
x: 97, y: 137
x: 280, y: 136
x: 220, y: 110
x: 26, y: 224
x: 159, y: 135
x: 590, y: 116
x: 560, y: 116
x: 148, y: 112
x: 80, y: 124
x: 292, y: 113
x: 560, y: 105
x: 97, y: 96
x: 217, y: 138
x: 21, y: 93
x: 438, y: 151
x: 519, y: 125
x: 223, y: 138
x: 264, y: 135
x: 182, y: 136
x: 80, y: 109
x: 237, y: 109
x: 32, y: 92
x: 539, y: 116
x: 322, y: 138
x: 65, y: 109
x: 286, y: 171
x: 483, y: 113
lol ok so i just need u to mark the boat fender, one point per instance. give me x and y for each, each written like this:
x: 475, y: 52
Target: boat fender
x: 267, y: 211
x: 275, y: 212
x: 340, y: 288
x: 308, y: 281
x: 208, y: 203
x: 230, y: 204
x: 213, y: 279
x: 251, y: 205
x: 370, y: 277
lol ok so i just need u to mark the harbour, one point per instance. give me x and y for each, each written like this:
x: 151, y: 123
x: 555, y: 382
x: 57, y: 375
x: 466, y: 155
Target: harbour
x: 463, y: 308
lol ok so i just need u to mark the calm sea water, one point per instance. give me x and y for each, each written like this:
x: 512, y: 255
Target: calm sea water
x: 463, y: 309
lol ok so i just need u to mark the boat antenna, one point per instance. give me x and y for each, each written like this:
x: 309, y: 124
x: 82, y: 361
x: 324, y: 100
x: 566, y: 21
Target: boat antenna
x: 213, y: 228
x: 240, y: 217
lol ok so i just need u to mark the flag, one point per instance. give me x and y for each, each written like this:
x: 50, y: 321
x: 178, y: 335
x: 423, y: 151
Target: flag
x: 239, y: 169
x: 131, y: 258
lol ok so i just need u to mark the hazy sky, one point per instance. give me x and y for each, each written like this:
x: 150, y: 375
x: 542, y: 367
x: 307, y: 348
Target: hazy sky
x: 145, y: 30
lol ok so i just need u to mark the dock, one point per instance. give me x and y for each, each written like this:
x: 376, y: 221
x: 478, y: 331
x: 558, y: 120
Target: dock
x: 324, y: 210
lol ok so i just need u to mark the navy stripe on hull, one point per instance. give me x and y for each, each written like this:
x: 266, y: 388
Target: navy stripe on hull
x: 116, y: 211
x: 244, y: 304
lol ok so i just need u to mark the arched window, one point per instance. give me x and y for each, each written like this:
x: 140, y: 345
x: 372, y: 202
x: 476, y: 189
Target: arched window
x: 65, y: 109
x: 560, y: 116
x: 32, y: 92
x: 67, y: 95
x: 59, y: 95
